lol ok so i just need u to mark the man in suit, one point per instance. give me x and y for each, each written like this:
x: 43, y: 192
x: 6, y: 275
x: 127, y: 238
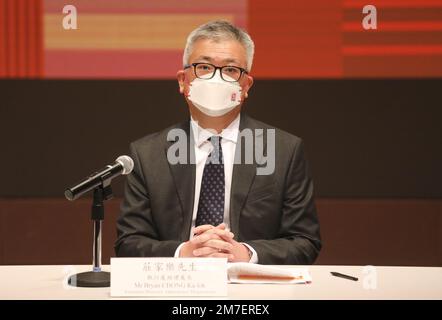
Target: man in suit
x: 215, y: 203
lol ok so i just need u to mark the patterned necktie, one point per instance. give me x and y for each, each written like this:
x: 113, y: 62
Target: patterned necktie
x: 211, y: 201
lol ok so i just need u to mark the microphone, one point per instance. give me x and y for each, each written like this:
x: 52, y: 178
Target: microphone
x: 122, y: 165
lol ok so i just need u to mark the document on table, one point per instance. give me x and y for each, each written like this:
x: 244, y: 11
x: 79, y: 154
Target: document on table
x: 241, y: 272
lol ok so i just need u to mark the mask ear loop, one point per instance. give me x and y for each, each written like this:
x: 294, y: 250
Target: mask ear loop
x: 187, y: 94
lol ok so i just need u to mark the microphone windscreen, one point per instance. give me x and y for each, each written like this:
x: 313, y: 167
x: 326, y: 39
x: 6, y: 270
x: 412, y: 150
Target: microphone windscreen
x: 127, y: 163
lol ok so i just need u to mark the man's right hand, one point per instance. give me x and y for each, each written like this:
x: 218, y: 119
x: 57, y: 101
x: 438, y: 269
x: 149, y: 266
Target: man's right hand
x: 209, y: 241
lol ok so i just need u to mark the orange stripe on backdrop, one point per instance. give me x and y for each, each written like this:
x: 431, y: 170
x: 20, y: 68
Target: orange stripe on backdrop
x: 396, y: 50
x: 396, y: 26
x: 124, y: 31
x: 2, y: 39
x: 392, y: 3
x: 39, y: 45
x: 400, y: 14
x: 157, y: 64
x: 22, y: 38
x: 236, y: 7
x: 392, y: 38
x: 32, y: 39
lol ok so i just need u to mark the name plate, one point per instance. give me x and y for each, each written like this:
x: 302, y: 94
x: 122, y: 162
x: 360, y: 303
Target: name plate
x: 159, y: 277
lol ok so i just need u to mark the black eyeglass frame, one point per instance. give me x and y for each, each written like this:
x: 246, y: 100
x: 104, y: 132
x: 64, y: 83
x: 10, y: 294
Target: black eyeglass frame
x: 195, y: 64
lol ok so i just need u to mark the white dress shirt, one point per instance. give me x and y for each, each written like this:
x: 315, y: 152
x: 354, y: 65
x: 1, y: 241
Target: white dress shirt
x: 203, y: 148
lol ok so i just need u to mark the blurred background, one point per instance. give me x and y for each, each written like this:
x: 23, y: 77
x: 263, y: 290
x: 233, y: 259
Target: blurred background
x: 366, y: 102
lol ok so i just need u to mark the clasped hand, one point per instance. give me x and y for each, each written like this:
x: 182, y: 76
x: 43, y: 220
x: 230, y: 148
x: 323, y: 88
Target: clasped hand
x: 215, y: 242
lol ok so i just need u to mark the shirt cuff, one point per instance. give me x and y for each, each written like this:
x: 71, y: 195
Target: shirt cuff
x: 177, y: 251
x: 254, y: 257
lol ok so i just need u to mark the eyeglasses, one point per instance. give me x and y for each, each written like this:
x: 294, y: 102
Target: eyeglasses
x: 206, y: 71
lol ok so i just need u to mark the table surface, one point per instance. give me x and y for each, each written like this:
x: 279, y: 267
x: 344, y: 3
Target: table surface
x: 49, y: 282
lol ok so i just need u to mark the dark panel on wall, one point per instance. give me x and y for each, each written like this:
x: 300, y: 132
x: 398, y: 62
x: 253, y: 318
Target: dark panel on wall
x: 379, y: 138
x: 387, y: 231
x: 354, y: 232
x: 364, y: 138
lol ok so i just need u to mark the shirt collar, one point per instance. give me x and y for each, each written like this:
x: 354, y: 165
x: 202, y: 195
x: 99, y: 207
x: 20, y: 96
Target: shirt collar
x: 229, y: 133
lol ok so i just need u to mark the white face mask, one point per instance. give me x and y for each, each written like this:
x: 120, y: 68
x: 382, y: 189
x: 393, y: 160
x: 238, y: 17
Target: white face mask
x: 214, y: 97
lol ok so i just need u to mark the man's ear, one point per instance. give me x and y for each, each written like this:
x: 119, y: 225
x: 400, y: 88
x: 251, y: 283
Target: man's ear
x: 248, y: 84
x: 181, y: 76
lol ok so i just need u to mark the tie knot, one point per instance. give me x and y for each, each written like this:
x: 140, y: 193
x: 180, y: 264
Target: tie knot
x: 216, y: 156
x: 215, y: 141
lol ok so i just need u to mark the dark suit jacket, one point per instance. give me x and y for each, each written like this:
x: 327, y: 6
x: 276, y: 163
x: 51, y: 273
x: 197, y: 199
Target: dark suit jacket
x: 275, y: 214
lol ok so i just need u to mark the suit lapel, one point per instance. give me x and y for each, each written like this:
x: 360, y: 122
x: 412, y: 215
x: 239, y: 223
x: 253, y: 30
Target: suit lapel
x: 184, y: 178
x: 242, y: 177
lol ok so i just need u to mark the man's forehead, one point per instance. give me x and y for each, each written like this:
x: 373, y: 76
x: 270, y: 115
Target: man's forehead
x: 212, y: 59
x: 228, y: 51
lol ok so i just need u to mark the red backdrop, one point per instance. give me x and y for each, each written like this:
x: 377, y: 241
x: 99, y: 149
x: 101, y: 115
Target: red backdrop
x: 294, y: 39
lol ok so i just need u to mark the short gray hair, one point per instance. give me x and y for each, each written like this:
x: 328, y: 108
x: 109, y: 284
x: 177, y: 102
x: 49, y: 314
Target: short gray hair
x: 218, y: 30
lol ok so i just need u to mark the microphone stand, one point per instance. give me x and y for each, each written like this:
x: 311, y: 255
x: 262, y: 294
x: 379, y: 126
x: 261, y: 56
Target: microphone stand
x: 95, y: 278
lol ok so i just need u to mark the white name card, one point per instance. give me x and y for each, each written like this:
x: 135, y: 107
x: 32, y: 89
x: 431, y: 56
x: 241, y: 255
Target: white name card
x: 159, y: 277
